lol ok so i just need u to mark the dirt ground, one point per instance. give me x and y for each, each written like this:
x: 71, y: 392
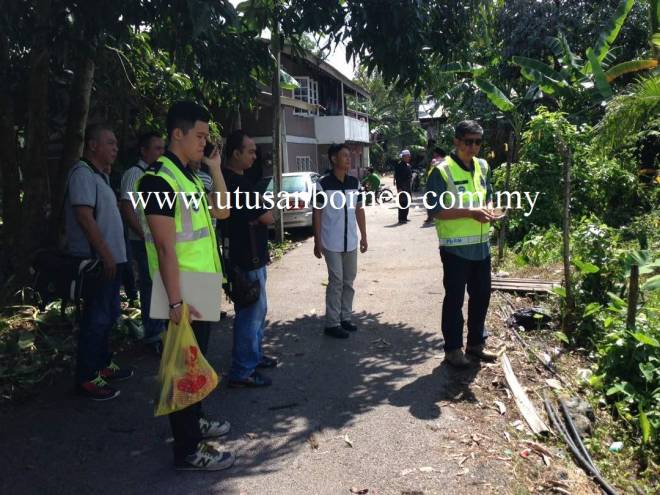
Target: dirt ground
x: 379, y: 411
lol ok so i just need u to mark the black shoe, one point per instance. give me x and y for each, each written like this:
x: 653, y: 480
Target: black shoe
x: 223, y: 315
x: 336, y: 332
x: 255, y: 380
x: 348, y: 326
x: 267, y: 362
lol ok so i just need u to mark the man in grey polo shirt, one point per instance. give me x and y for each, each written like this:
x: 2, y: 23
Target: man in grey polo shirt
x: 94, y: 230
x: 335, y: 237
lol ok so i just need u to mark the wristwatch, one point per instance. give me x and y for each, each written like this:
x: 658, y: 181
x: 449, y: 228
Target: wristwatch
x: 176, y: 305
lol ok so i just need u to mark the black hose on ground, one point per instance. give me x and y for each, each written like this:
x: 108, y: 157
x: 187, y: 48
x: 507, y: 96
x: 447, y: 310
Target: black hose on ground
x: 574, y: 433
x: 586, y: 465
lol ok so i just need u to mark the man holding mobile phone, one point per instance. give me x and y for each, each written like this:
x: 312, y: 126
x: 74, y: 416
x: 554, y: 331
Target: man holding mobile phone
x: 178, y: 238
x: 460, y: 186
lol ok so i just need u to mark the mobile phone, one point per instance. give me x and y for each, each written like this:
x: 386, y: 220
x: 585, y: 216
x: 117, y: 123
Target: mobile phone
x: 208, y: 149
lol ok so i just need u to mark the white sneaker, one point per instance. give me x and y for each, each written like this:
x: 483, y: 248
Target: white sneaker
x: 212, y: 429
x: 207, y: 457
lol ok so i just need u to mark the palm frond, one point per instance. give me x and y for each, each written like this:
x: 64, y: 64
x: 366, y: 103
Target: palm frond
x: 629, y: 113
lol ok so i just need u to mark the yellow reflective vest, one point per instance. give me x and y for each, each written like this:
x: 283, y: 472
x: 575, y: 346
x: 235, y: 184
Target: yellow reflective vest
x: 464, y: 190
x: 196, y: 247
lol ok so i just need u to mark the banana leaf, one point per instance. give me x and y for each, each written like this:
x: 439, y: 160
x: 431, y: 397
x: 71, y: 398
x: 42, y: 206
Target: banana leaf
x: 612, y: 28
x: 600, y: 80
x: 630, y: 66
x: 494, y: 94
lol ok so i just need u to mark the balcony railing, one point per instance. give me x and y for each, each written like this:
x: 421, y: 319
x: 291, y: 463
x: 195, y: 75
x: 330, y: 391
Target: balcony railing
x: 340, y: 128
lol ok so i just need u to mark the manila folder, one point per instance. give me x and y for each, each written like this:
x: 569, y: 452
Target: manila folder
x: 199, y: 289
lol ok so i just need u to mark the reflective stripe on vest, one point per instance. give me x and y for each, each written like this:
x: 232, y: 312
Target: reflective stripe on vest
x: 471, y: 193
x: 196, y: 247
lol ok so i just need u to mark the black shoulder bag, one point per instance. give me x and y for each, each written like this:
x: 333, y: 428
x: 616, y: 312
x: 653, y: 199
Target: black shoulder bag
x: 242, y: 291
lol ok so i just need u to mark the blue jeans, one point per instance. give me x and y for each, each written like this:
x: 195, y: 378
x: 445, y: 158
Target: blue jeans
x: 100, y: 311
x: 152, y: 328
x: 249, y: 324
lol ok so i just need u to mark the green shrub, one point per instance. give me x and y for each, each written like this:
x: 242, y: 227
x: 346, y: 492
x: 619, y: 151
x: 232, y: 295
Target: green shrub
x: 628, y: 366
x: 605, y: 186
x: 540, y: 247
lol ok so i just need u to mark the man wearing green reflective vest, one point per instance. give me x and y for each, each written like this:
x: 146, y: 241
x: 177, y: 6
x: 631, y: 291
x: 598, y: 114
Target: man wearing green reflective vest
x: 181, y: 238
x: 459, y: 194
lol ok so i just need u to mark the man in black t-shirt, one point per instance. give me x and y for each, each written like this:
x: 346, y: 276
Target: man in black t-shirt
x: 245, y: 238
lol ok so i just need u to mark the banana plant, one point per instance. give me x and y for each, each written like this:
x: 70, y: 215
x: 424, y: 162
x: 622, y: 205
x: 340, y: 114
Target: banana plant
x: 588, y: 73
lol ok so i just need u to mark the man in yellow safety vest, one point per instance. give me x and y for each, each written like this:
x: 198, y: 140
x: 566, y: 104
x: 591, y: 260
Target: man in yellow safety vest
x: 459, y: 193
x: 180, y: 238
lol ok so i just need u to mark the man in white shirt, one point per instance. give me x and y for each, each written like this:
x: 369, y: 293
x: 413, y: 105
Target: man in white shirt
x: 151, y: 147
x: 338, y: 213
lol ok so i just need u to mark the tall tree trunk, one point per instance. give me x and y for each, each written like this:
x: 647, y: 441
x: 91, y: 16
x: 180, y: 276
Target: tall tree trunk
x: 35, y: 171
x: 277, y: 138
x: 79, y: 99
x: 9, y: 176
x: 501, y: 241
x: 569, y: 311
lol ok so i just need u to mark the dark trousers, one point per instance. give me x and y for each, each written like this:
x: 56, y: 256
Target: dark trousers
x: 185, y: 423
x: 99, y: 313
x: 152, y: 328
x: 459, y: 273
x: 128, y: 275
x: 404, y: 205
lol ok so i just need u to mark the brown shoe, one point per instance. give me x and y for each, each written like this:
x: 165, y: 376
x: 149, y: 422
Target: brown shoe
x: 481, y: 353
x: 457, y: 358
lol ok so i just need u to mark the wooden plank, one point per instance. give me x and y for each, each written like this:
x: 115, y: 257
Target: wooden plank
x: 521, y: 288
x: 525, y: 405
x: 527, y: 286
x: 535, y: 280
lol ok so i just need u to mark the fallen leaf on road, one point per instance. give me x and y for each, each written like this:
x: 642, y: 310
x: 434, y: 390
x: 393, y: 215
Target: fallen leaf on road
x: 463, y: 472
x: 507, y: 436
x: 426, y: 469
x: 313, y: 441
x: 462, y: 461
x: 501, y: 408
x: 554, y: 383
x: 537, y: 447
x: 407, y: 471
x: 518, y: 425
x: 524, y: 453
x: 348, y: 440
x: 251, y: 435
x: 359, y: 491
x: 381, y: 343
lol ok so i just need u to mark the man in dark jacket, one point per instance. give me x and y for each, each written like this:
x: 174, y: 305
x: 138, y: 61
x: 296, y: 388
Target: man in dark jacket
x: 403, y: 183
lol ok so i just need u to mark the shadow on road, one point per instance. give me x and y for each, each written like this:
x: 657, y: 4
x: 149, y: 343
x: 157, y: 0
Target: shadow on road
x: 67, y: 445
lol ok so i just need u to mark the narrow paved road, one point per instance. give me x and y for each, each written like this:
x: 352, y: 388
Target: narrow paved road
x: 367, y: 412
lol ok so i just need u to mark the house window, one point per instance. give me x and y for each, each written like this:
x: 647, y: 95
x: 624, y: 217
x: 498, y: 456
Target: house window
x: 303, y: 164
x: 307, y: 92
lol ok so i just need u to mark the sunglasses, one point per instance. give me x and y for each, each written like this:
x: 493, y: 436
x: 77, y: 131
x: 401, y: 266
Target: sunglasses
x: 470, y: 142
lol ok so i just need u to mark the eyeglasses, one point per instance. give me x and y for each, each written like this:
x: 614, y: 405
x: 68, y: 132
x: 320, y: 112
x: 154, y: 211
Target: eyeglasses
x: 470, y: 142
